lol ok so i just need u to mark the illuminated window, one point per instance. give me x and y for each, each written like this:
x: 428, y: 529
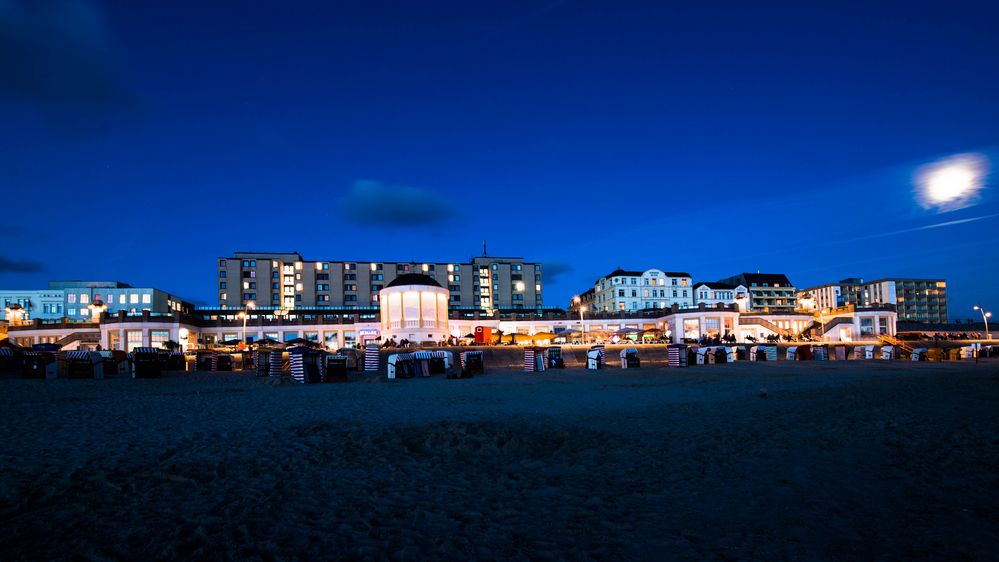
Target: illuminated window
x: 146, y: 299
x: 84, y: 298
x: 71, y: 299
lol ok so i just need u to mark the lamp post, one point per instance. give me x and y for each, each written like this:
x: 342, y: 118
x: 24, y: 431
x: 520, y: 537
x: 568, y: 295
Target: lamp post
x: 985, y: 317
x: 246, y: 314
x: 582, y: 328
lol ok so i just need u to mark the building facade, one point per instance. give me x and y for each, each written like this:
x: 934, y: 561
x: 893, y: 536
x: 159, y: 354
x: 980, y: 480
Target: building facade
x: 768, y: 292
x: 79, y: 298
x: 44, y: 304
x: 583, y: 301
x: 916, y: 300
x: 288, y: 280
x: 721, y: 293
x: 642, y: 290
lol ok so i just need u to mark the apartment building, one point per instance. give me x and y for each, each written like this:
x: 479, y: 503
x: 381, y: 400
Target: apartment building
x: 916, y: 300
x: 288, y: 280
x: 713, y: 294
x: 768, y: 292
x: 43, y: 304
x: 642, y: 290
x: 583, y: 300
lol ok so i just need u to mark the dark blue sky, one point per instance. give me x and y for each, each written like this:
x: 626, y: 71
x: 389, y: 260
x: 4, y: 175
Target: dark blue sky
x: 141, y: 140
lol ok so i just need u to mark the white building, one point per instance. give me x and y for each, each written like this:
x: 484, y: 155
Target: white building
x: 642, y: 290
x: 721, y: 293
x: 46, y: 304
x: 414, y: 308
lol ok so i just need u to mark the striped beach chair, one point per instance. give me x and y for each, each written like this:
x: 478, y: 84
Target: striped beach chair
x: 676, y: 355
x: 277, y: 363
x: 471, y: 363
x: 421, y: 362
x: 372, y: 359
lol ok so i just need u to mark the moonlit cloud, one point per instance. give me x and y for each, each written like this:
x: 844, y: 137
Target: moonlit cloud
x: 375, y: 203
x: 951, y: 183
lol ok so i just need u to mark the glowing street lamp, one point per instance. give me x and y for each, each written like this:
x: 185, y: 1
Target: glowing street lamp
x: 97, y: 307
x: 244, y: 315
x: 14, y: 313
x: 985, y: 317
x: 582, y: 329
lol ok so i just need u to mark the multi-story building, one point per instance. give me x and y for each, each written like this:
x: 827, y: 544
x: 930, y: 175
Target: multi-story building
x: 713, y: 294
x: 78, y: 298
x: 917, y: 300
x: 768, y: 292
x: 288, y: 280
x: 640, y: 290
x: 43, y: 304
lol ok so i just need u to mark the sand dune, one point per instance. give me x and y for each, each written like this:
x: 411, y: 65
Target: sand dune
x: 858, y: 460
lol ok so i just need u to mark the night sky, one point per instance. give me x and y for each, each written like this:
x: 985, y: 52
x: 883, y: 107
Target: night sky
x: 142, y: 140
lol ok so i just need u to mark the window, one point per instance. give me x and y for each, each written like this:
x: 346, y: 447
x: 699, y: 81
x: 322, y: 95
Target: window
x: 537, y: 267
x: 518, y: 267
x: 275, y: 286
x: 275, y: 296
x: 221, y: 263
x: 495, y: 267
x: 674, y: 292
x: 350, y: 266
x: 634, y: 293
x: 158, y: 337
x: 455, y: 298
x: 350, y: 287
x: 620, y: 292
x: 376, y: 287
x: 322, y: 287
x: 147, y: 298
x: 221, y: 284
x: 133, y: 339
x: 376, y: 276
x: 673, y: 282
x: 350, y: 277
x: 71, y: 299
x: 222, y: 274
x: 133, y: 298
x: 350, y: 298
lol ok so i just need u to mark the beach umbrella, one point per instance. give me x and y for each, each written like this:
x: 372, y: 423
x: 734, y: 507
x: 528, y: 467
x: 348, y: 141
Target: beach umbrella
x: 302, y: 341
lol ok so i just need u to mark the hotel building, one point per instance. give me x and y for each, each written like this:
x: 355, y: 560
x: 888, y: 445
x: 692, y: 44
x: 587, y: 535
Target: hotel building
x: 713, y: 294
x: 288, y: 280
x: 641, y: 290
x: 768, y: 292
x: 916, y: 300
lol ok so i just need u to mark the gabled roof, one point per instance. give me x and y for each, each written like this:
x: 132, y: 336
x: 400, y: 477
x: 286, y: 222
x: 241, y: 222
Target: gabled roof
x: 624, y: 273
x: 715, y: 286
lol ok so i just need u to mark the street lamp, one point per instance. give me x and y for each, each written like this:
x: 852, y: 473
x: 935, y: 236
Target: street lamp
x: 244, y: 315
x: 14, y: 313
x: 582, y: 329
x: 985, y: 317
x: 97, y: 307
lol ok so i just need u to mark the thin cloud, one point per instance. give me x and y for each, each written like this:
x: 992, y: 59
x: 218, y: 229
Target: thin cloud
x: 8, y: 265
x: 58, y: 54
x: 379, y: 204
x: 554, y: 270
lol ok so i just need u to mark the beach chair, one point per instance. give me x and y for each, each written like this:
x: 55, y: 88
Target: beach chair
x: 920, y: 354
x: 741, y: 354
x: 176, y: 362
x: 372, y: 358
x: 840, y: 352
x: 262, y: 361
x: 935, y: 354
x: 887, y: 352
x: 146, y: 363
x: 866, y: 352
x: 440, y: 362
x: 421, y: 362
x: 84, y: 365
x: 792, y: 353
x: 595, y: 358
x: 630, y: 359
x: 336, y: 368
x: 38, y: 365
x: 534, y: 360
x: 553, y: 358
x: 676, y: 355
x: 471, y: 363
x: 305, y: 365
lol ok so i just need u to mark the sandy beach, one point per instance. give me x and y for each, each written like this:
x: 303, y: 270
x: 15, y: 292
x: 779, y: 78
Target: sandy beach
x: 840, y: 460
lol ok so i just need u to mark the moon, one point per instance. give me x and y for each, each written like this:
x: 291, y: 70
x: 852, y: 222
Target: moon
x: 951, y: 183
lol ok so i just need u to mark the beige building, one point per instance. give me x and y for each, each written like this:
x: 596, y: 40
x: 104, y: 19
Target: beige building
x: 917, y: 300
x: 288, y: 280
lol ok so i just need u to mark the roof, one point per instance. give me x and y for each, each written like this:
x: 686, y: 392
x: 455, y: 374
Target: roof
x: 623, y: 273
x: 771, y: 279
x: 715, y: 285
x: 413, y: 279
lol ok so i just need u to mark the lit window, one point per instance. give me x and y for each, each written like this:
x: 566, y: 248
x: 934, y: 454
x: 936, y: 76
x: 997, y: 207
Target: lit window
x: 84, y: 298
x: 146, y: 299
x: 71, y: 299
x: 121, y: 298
x: 133, y: 298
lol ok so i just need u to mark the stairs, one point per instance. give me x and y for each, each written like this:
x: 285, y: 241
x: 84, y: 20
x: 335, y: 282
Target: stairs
x: 89, y: 337
x: 891, y: 340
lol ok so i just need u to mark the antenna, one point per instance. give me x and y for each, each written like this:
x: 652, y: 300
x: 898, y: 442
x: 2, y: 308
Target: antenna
x: 484, y: 253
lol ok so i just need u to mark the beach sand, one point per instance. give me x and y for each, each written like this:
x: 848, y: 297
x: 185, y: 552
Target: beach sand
x: 840, y: 460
